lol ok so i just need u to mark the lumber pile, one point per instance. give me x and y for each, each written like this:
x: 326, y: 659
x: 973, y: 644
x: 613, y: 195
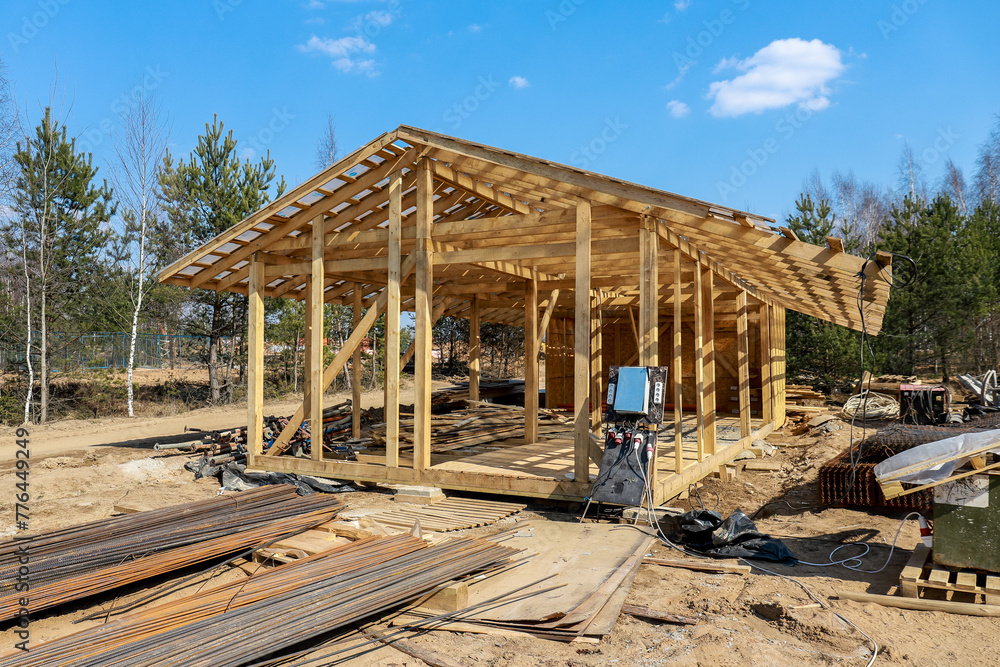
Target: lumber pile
x: 798, y: 394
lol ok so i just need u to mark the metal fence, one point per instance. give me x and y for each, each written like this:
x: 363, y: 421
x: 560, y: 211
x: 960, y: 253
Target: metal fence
x: 73, y: 352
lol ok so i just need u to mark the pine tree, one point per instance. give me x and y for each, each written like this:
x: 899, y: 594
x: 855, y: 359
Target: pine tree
x: 61, y: 226
x: 204, y: 196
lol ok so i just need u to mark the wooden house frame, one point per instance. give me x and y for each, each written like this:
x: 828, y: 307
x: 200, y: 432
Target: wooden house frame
x: 606, y: 270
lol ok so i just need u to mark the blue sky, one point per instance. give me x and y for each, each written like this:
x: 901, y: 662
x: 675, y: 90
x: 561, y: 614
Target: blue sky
x: 734, y: 101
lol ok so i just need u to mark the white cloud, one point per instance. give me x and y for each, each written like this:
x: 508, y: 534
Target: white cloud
x: 785, y: 72
x: 518, y: 82
x: 678, y: 109
x: 475, y: 27
x: 681, y: 5
x: 346, y: 53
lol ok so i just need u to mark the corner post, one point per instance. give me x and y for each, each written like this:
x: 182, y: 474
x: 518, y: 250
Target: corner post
x: 314, y: 339
x: 475, y: 351
x: 356, y: 367
x: 743, y: 362
x: 530, y: 360
x: 392, y: 308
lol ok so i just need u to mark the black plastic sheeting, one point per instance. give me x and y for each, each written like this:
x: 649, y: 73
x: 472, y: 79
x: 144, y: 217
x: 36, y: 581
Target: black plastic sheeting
x: 234, y: 477
x: 736, y: 536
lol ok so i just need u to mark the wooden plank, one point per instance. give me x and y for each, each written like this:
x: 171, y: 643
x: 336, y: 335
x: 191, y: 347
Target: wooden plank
x: 965, y: 580
x: 474, y: 349
x: 531, y: 361
x: 596, y: 341
x: 835, y: 244
x: 946, y: 606
x: 649, y: 307
x: 546, y: 317
x: 646, y: 612
x: 708, y: 340
x: 766, y: 387
x: 255, y: 361
x: 699, y: 565
x: 678, y: 370
x: 314, y: 340
x: 356, y: 367
x: 913, y: 571
x: 423, y: 336
x: 581, y: 332
x: 392, y: 315
x: 743, y: 362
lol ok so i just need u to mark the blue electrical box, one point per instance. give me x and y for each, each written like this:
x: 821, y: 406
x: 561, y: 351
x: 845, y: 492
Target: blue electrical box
x: 632, y: 394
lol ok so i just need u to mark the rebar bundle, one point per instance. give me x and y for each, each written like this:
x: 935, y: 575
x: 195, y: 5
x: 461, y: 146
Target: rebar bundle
x: 238, y: 623
x: 72, y: 563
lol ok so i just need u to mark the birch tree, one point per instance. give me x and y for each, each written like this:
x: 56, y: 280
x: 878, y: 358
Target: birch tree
x: 140, y: 146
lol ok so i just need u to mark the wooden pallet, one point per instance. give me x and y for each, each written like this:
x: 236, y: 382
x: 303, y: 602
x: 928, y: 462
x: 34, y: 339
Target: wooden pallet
x: 922, y: 577
x: 451, y: 514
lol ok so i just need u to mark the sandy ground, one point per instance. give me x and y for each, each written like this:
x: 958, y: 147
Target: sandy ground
x: 80, y: 470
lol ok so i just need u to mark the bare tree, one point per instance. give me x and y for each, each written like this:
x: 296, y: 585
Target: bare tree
x: 987, y: 184
x: 953, y: 185
x: 326, y: 149
x: 140, y: 145
x: 911, y: 176
x: 862, y: 207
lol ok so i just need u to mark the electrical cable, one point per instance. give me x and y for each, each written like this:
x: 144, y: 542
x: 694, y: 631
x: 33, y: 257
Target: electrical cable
x: 854, y: 562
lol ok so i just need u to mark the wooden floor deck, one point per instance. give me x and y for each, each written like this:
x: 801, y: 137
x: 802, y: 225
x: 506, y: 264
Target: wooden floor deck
x: 552, y: 458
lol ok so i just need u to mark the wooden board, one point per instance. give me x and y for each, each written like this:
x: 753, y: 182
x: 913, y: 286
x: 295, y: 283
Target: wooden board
x: 451, y: 514
x: 922, y: 576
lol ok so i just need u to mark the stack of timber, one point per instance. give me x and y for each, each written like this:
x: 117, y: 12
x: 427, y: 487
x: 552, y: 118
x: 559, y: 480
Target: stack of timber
x: 798, y: 394
x: 72, y: 563
x: 273, y: 611
x: 506, y: 392
x: 451, y: 514
x: 589, y: 569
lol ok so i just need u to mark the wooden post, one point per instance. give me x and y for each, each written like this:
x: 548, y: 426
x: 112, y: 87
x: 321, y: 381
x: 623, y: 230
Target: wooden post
x: 708, y: 340
x: 314, y: 340
x: 356, y: 369
x: 581, y: 333
x: 475, y: 350
x: 743, y: 362
x: 255, y: 361
x: 677, y: 370
x: 649, y: 282
x: 530, y: 360
x: 596, y: 363
x: 766, y: 395
x: 699, y: 360
x: 391, y: 403
x: 546, y: 317
x: 423, y: 297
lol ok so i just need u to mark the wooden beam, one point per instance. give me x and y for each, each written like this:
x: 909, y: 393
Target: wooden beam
x: 314, y: 342
x: 553, y: 298
x: 649, y: 281
x: 708, y: 341
x: 439, y: 310
x: 743, y: 362
x: 766, y: 386
x: 255, y: 361
x: 699, y: 361
x: 678, y: 368
x: 835, y: 244
x: 581, y: 332
x: 392, y: 314
x: 530, y: 361
x: 356, y: 368
x: 423, y: 296
x: 596, y: 352
x: 474, y: 349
